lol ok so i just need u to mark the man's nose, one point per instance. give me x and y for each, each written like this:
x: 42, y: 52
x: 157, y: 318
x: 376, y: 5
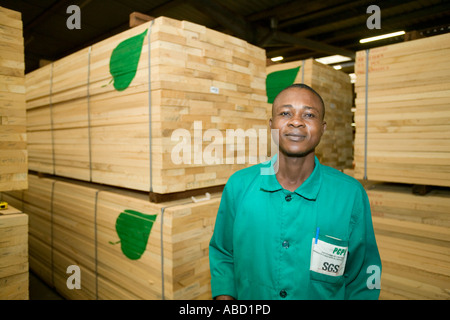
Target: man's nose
x: 297, y: 121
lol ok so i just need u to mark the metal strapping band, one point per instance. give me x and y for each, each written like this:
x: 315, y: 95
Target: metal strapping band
x: 150, y: 108
x: 106, y: 189
x: 162, y: 254
x: 303, y: 71
x: 51, y: 118
x: 366, y: 113
x: 52, y: 197
x: 89, y: 113
x: 95, y: 244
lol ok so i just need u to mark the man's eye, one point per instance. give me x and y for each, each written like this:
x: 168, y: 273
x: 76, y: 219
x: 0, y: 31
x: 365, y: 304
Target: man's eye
x: 309, y: 115
x: 284, y: 113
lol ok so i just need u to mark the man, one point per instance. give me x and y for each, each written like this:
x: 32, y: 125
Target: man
x: 303, y: 232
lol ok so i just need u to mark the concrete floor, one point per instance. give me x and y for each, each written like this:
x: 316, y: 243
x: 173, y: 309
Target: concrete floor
x: 39, y: 290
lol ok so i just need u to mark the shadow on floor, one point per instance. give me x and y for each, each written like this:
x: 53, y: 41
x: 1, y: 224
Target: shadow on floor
x: 39, y: 290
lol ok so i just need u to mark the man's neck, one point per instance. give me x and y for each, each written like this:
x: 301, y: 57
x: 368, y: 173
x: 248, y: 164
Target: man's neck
x: 293, y: 171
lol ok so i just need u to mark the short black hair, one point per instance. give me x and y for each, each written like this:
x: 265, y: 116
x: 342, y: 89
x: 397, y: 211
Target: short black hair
x: 302, y: 86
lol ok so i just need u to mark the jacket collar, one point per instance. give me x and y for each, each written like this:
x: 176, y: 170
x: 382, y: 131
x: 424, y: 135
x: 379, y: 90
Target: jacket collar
x: 308, y: 189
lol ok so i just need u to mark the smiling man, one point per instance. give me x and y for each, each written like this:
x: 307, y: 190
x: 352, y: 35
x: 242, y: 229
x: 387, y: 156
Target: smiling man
x: 303, y: 232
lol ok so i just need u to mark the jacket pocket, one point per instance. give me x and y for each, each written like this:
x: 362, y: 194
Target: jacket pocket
x: 316, y: 276
x: 328, y: 259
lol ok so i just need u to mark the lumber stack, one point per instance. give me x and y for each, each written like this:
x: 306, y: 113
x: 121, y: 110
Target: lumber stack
x: 336, y: 146
x: 108, y: 113
x: 13, y: 138
x: 125, y: 246
x: 413, y: 237
x: 408, y: 122
x: 13, y: 254
x: 13, y: 157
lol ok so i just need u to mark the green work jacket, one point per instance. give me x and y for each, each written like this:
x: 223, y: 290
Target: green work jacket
x: 315, y: 243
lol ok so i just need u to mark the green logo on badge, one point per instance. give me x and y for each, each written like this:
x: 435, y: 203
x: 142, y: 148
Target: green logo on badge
x: 339, y: 252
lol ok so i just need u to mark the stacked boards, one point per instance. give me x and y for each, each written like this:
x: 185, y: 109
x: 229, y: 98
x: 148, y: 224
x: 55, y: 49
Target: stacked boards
x: 336, y: 146
x: 13, y: 254
x: 413, y: 237
x: 405, y: 137
x: 13, y: 138
x: 13, y: 157
x: 110, y: 113
x: 124, y: 246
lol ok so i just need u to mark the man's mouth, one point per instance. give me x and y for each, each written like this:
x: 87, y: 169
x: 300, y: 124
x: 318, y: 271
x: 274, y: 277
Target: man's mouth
x: 295, y: 136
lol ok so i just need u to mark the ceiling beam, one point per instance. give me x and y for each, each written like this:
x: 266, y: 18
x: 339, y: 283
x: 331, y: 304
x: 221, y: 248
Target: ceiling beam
x: 358, y: 20
x: 330, y: 11
x: 313, y: 45
x: 236, y: 23
x: 164, y: 7
x: 291, y: 9
x: 257, y: 34
x: 157, y: 11
x: 389, y: 23
x: 46, y: 14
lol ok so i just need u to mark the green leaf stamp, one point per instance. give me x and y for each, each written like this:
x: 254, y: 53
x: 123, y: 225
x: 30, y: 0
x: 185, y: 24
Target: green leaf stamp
x: 124, y: 61
x: 133, y: 229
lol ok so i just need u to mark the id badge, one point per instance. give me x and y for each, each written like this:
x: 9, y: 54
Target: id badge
x: 327, y: 258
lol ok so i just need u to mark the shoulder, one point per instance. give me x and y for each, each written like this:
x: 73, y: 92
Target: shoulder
x: 347, y: 189
x: 335, y: 177
x: 246, y: 175
x: 242, y: 183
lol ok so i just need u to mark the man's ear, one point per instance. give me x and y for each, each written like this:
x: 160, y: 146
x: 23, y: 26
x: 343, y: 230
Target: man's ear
x: 270, y: 123
x: 324, y: 126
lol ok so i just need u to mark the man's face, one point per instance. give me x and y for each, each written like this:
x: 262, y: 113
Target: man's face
x: 298, y: 115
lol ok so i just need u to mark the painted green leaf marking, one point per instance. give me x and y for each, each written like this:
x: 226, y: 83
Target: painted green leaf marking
x: 278, y: 80
x: 133, y: 229
x: 124, y: 61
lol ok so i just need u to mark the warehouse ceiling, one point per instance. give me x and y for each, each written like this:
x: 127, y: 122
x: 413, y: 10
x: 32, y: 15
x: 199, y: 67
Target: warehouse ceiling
x: 293, y: 29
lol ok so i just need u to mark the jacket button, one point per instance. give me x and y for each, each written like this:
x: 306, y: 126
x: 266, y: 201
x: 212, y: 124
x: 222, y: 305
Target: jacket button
x: 288, y: 198
x: 285, y: 244
x: 283, y: 293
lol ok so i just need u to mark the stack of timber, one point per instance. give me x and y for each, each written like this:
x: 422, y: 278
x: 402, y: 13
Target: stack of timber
x: 108, y: 113
x: 336, y: 146
x: 13, y: 157
x: 125, y: 246
x: 13, y: 142
x: 408, y: 112
x: 413, y: 237
x: 13, y: 254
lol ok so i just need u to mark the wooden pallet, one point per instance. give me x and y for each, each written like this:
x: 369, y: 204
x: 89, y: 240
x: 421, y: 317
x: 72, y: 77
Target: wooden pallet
x: 408, y: 122
x: 85, y: 123
x: 75, y: 223
x: 336, y: 146
x: 13, y: 138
